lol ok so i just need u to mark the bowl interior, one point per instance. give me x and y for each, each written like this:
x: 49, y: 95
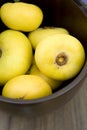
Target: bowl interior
x: 60, y: 13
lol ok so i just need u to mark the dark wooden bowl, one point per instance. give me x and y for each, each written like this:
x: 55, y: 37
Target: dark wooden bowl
x: 59, y: 13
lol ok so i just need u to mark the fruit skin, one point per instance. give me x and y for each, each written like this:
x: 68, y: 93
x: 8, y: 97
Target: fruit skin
x: 21, y: 16
x: 41, y: 33
x: 53, y: 83
x: 15, y: 54
x: 60, y: 56
x: 26, y: 87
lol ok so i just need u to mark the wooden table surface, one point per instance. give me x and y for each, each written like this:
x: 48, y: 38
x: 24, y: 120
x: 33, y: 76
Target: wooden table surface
x: 72, y: 116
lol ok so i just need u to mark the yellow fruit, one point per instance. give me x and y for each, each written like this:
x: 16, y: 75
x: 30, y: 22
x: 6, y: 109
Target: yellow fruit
x: 41, y: 33
x: 26, y: 87
x: 21, y: 16
x: 60, y: 56
x: 15, y: 54
x: 53, y: 83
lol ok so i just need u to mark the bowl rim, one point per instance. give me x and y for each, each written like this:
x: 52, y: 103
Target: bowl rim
x: 56, y: 94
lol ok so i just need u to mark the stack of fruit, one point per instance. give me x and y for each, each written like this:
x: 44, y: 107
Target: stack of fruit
x: 33, y: 65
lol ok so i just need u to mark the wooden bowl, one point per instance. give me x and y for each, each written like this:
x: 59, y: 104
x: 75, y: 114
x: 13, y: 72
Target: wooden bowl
x: 59, y: 13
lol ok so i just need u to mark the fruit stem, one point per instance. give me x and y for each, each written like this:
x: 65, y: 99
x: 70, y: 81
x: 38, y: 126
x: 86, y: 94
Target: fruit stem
x: 61, y: 59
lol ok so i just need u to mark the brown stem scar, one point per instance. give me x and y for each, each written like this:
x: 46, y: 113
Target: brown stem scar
x: 61, y: 59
